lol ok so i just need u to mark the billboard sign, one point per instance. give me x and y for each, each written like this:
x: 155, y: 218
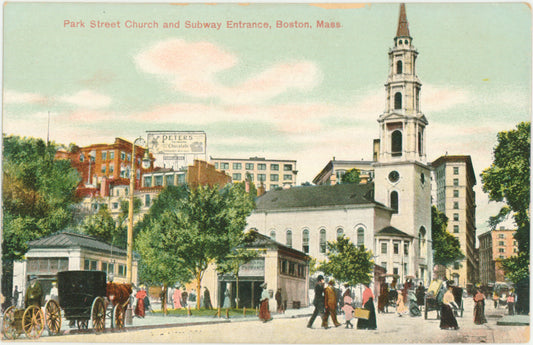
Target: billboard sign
x: 176, y: 142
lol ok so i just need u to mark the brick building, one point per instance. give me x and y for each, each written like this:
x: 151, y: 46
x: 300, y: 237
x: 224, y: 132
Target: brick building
x: 494, y: 246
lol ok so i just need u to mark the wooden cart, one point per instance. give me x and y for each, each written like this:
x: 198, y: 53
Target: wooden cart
x: 29, y: 321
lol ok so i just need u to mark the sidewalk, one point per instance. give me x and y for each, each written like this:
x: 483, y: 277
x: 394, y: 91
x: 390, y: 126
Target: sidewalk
x: 501, y: 313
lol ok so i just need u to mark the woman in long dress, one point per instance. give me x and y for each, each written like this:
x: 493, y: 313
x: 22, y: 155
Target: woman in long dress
x: 264, y: 313
x: 400, y: 305
x: 176, y: 298
x: 383, y: 298
x: 447, y: 319
x: 479, y: 308
x: 140, y: 308
x: 368, y: 304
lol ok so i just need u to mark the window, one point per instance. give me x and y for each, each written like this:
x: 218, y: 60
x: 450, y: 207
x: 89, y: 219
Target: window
x: 287, y: 167
x: 455, y: 205
x: 103, y: 168
x: 456, y: 216
x: 395, y: 270
x: 340, y: 232
x: 456, y: 193
x: 261, y: 166
x: 224, y: 166
x: 456, y: 229
x: 405, y: 248
x: 111, y: 155
x: 250, y: 177
x: 420, y: 142
x: 287, y: 177
x: 501, y: 243
x: 237, y: 166
x: 249, y: 166
x: 114, y: 205
x: 399, y: 67
x: 396, y: 143
x: 396, y: 246
x: 422, y: 241
x: 273, y: 186
x: 360, y: 237
x: 121, y: 270
x: 236, y: 176
x: 455, y: 181
x: 501, y: 236
x: 383, y: 247
x: 502, y: 256
x: 274, y: 177
x: 82, y: 158
x: 515, y: 250
x: 147, y: 200
x: 384, y: 264
x: 322, y: 240
x: 89, y: 265
x: 456, y: 265
x: 456, y: 170
x: 216, y: 165
x: 288, y: 239
x: 148, y: 181
x: 181, y: 179
x: 104, y: 155
x: 108, y: 267
x: 170, y: 180
x: 274, y: 167
x: 501, y: 250
x: 128, y: 157
x: 158, y: 180
x: 122, y: 155
x: 273, y: 235
x: 261, y: 177
x: 394, y: 201
x: 398, y: 100
x: 305, y: 241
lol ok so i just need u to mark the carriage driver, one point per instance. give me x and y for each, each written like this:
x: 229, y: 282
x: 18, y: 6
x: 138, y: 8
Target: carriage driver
x: 34, y: 293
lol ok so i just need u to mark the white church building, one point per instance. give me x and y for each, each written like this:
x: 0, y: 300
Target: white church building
x: 391, y: 216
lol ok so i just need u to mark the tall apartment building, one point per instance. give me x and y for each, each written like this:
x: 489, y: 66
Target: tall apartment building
x: 333, y: 171
x: 454, y: 180
x: 494, y: 246
x: 271, y: 173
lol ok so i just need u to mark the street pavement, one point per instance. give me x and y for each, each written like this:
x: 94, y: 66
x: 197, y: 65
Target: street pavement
x: 290, y: 328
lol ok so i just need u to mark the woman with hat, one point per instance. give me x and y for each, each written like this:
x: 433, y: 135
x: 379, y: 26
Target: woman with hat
x: 264, y: 313
x: 368, y: 304
x: 447, y: 319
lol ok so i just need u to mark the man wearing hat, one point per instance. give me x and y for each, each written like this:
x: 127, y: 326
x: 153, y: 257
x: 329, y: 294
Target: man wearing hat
x: 34, y: 293
x: 330, y: 298
x: 264, y: 313
x: 318, y: 301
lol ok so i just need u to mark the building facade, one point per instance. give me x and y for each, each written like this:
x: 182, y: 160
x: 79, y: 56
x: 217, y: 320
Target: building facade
x: 494, y: 246
x: 454, y: 181
x: 335, y: 169
x: 271, y: 173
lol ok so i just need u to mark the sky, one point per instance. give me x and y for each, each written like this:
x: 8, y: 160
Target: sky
x: 307, y: 94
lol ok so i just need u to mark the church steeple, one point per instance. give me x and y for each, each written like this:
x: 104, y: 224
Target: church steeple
x: 403, y: 24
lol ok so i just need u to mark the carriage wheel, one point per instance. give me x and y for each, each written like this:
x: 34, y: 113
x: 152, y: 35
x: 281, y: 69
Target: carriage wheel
x: 33, y: 322
x: 8, y: 324
x: 425, y: 310
x: 98, y: 314
x: 82, y: 324
x: 118, y: 316
x: 53, y: 317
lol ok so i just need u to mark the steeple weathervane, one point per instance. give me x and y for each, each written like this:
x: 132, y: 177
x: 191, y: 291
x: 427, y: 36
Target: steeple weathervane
x: 403, y: 24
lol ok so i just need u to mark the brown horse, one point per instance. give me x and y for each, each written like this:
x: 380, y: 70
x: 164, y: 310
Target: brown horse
x: 118, y: 293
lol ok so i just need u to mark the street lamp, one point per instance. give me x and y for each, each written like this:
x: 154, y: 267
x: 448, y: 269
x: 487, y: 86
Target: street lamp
x: 145, y: 164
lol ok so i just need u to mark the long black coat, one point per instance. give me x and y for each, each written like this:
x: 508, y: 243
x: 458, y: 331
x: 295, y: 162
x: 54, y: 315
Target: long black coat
x: 318, y: 301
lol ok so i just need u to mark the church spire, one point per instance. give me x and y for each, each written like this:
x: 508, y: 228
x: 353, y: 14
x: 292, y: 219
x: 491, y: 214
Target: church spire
x: 403, y: 25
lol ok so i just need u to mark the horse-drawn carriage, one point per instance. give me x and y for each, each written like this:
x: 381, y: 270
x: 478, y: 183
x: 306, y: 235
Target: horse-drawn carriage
x: 433, y: 298
x: 85, y: 298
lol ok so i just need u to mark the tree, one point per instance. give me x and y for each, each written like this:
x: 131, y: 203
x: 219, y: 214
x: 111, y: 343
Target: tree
x: 201, y: 228
x: 100, y: 225
x: 347, y: 262
x: 507, y: 180
x: 446, y: 247
x: 352, y: 176
x: 38, y: 194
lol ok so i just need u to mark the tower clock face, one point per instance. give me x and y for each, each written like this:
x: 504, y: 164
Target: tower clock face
x: 394, y: 176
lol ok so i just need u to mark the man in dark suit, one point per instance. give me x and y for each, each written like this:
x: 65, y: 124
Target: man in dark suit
x: 318, y: 301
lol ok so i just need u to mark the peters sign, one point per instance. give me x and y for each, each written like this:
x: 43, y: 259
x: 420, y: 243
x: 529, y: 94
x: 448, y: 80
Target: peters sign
x: 176, y: 143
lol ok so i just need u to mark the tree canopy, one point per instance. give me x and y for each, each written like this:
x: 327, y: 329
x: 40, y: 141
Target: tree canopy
x: 347, y: 262
x: 446, y: 247
x: 351, y: 176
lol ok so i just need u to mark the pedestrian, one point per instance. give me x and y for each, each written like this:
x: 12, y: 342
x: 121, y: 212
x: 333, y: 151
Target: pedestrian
x: 264, y: 313
x: 34, y: 293
x: 400, y: 305
x: 318, y: 301
x: 479, y: 308
x: 368, y: 304
x: 54, y: 293
x: 495, y: 298
x: 140, y: 307
x: 284, y: 300
x: 447, y: 318
x: 413, y: 305
x: 147, y: 304
x: 347, y: 308
x: 383, y: 298
x: 176, y: 298
x: 227, y: 301
x: 184, y: 298
x: 207, y: 299
x: 420, y: 294
x: 330, y: 303
x: 279, y: 301
x: 510, y: 303
x: 16, y: 294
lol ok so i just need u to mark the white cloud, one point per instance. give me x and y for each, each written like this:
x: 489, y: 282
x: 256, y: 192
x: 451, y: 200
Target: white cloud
x: 16, y: 97
x: 438, y: 98
x: 87, y: 99
x: 192, y: 68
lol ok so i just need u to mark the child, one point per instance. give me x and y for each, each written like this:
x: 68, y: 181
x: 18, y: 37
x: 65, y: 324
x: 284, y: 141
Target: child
x: 348, y: 311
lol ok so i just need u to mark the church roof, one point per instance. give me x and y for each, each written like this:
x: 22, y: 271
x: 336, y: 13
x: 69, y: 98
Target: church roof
x: 317, y: 196
x: 403, y: 24
x: 72, y: 240
x: 392, y: 231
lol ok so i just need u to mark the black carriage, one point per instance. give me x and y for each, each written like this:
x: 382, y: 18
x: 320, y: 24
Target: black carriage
x: 458, y: 297
x: 392, y: 298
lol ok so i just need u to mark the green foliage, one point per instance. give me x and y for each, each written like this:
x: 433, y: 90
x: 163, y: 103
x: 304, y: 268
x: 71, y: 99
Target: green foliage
x: 38, y: 193
x: 446, y: 247
x: 516, y: 268
x: 352, y: 176
x: 101, y: 225
x: 347, y: 262
x: 507, y: 180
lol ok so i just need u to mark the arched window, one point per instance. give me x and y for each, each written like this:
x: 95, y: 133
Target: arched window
x: 289, y: 238
x: 273, y: 235
x: 396, y: 143
x: 398, y: 100
x: 422, y: 241
x: 360, y: 237
x: 305, y: 241
x: 394, y: 201
x: 340, y: 232
x: 399, y: 67
x: 323, y: 241
x: 420, y: 142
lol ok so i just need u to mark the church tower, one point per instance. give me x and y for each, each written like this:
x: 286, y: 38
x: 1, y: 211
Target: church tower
x: 402, y: 177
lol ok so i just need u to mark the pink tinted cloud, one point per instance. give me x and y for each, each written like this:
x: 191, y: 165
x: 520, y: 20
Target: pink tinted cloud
x: 16, y: 97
